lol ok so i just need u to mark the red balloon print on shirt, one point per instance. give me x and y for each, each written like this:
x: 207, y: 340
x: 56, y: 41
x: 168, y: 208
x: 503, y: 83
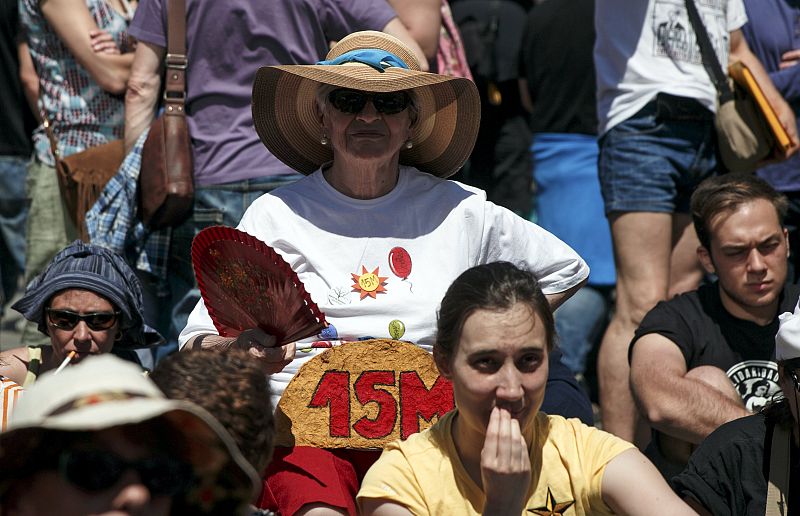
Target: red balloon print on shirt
x: 400, y: 262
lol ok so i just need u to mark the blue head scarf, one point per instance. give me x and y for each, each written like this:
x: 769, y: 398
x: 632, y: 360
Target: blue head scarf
x: 94, y: 268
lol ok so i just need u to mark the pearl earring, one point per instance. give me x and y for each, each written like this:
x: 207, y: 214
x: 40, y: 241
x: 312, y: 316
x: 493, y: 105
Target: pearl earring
x: 324, y: 140
x: 409, y: 144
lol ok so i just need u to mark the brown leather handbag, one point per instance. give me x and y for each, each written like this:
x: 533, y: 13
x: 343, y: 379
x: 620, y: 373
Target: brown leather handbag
x: 166, y: 182
x: 83, y: 175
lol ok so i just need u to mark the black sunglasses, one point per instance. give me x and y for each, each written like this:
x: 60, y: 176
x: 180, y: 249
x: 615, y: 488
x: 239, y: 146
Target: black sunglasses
x: 67, y: 320
x: 353, y: 101
x: 97, y: 470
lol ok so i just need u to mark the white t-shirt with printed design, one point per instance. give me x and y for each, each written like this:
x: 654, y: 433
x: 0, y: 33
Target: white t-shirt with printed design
x: 416, y: 240
x: 643, y: 48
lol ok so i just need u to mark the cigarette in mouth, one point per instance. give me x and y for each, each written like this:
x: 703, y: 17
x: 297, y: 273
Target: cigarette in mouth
x: 66, y: 361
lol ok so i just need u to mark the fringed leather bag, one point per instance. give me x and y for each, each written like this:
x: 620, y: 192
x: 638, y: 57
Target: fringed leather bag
x: 83, y: 175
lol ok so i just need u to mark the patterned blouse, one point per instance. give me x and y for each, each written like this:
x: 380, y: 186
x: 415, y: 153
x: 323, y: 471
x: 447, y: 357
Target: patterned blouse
x: 84, y: 115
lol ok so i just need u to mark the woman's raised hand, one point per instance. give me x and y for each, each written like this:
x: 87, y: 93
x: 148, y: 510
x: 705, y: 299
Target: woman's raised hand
x: 505, y: 465
x: 262, y: 346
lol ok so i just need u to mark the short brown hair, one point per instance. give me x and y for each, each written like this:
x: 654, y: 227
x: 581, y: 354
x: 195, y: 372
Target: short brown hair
x: 491, y: 286
x: 726, y: 193
x: 233, y: 388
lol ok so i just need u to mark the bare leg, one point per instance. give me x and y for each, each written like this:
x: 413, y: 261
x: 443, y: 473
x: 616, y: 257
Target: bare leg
x: 648, y: 248
x: 642, y: 251
x: 686, y: 272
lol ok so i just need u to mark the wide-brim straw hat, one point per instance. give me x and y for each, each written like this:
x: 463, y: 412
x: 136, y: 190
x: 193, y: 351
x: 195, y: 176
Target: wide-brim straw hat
x: 285, y: 118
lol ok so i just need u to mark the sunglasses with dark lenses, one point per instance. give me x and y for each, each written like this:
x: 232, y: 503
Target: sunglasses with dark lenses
x: 352, y: 101
x: 67, y: 320
x: 97, y: 470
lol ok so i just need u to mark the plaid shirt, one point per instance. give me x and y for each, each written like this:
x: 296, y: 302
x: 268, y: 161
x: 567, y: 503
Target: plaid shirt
x: 82, y: 113
x: 112, y: 221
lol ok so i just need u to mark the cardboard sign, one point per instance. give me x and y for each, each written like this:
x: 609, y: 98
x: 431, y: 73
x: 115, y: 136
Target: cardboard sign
x: 362, y: 395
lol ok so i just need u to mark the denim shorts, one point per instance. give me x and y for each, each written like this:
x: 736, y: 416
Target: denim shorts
x: 654, y: 160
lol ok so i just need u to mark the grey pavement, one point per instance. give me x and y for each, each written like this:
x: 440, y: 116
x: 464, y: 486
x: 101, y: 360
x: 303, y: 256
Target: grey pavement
x: 11, y: 326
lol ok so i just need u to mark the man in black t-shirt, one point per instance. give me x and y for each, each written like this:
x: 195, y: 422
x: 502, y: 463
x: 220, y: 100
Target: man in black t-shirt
x: 705, y: 357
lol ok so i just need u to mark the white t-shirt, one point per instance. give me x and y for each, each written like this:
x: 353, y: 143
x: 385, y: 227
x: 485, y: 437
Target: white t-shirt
x: 643, y: 48
x: 442, y: 226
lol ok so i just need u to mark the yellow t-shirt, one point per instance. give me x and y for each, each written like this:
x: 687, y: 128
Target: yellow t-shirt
x: 425, y: 475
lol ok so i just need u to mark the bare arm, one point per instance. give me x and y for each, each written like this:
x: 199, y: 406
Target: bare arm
x: 73, y: 23
x: 143, y: 87
x: 423, y: 18
x: 396, y: 28
x: 28, y: 77
x: 255, y: 341
x: 557, y: 299
x: 14, y: 364
x: 740, y: 51
x: 381, y: 507
x: 682, y: 407
x: 633, y: 486
x: 698, y: 507
x: 525, y: 95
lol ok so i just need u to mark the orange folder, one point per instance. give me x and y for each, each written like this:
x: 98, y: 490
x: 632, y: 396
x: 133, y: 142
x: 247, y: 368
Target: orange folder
x: 743, y: 77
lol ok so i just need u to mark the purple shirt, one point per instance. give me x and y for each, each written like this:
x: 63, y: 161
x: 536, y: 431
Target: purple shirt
x: 774, y: 28
x: 228, y: 41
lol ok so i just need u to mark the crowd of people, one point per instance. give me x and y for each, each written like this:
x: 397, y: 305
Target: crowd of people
x: 529, y: 191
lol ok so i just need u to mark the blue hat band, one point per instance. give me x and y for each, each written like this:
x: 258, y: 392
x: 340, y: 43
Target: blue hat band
x: 378, y: 59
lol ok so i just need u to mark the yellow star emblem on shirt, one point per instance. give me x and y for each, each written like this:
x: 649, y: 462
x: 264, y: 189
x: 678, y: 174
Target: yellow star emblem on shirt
x: 552, y: 507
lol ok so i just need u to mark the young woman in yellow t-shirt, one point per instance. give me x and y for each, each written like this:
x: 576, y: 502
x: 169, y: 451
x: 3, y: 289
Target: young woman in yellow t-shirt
x: 496, y: 453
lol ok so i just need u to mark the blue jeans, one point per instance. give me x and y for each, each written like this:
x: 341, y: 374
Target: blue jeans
x: 580, y: 323
x: 214, y: 205
x: 654, y: 160
x: 13, y: 216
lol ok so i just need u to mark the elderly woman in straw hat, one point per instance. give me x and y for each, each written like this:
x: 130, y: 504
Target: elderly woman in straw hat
x: 88, y: 301
x: 375, y: 232
x: 100, y: 438
x: 751, y: 466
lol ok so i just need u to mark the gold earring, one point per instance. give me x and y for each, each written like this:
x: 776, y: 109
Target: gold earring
x: 408, y: 144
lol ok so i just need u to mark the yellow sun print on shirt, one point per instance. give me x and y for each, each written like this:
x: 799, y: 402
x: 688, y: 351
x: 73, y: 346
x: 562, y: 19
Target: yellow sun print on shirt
x: 369, y: 283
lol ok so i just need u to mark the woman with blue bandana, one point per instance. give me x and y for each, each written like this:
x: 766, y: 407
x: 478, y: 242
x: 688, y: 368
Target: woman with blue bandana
x: 375, y: 232
x: 89, y: 302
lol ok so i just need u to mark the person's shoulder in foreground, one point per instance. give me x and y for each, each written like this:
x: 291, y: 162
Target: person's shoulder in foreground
x: 730, y: 456
x: 77, y: 435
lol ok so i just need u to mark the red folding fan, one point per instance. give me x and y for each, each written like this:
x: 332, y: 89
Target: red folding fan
x: 246, y: 284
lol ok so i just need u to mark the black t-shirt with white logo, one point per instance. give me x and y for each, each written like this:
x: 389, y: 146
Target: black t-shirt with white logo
x: 707, y: 334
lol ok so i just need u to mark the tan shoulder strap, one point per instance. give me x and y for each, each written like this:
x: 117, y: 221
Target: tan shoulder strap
x: 778, y: 482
